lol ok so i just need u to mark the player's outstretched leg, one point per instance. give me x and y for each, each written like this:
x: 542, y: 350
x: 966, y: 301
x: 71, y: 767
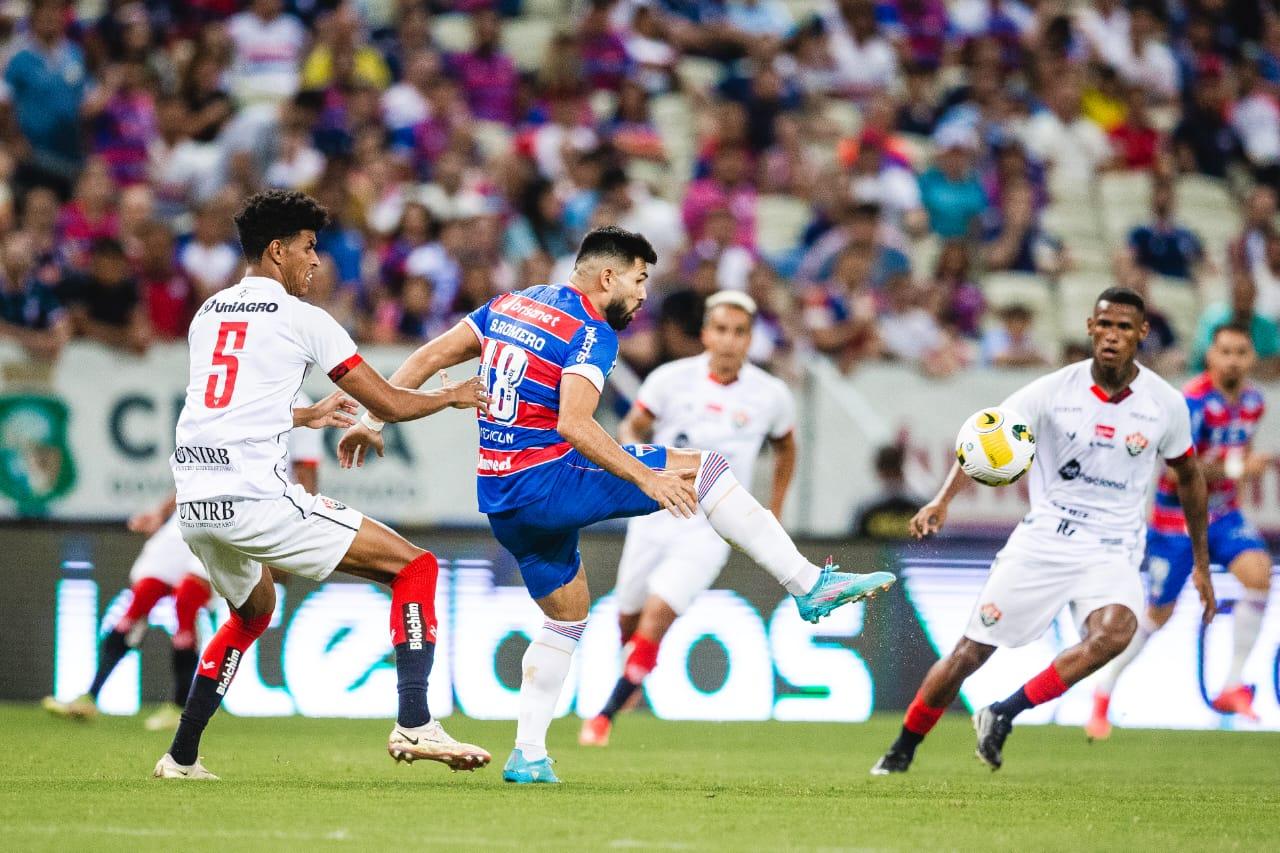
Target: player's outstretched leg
x: 939, y: 689
x: 214, y: 673
x: 1107, y: 633
x: 191, y: 594
x: 745, y: 524
x: 1099, y: 725
x: 126, y: 635
x: 1253, y: 568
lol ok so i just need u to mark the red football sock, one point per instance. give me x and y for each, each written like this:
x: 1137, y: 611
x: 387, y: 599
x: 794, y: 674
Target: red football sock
x: 222, y: 656
x: 921, y: 718
x: 413, y: 602
x: 146, y: 592
x: 1045, y: 686
x: 642, y: 659
x: 189, y: 596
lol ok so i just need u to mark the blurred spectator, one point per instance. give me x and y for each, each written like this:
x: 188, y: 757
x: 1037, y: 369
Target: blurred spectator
x: 1203, y: 140
x: 1259, y: 216
x: 410, y: 317
x: 1010, y: 344
x: 918, y: 113
x: 168, y: 295
x: 122, y: 112
x: 1256, y: 119
x: 1266, y: 277
x: 408, y: 102
x: 1014, y: 239
x: 47, y: 81
x: 865, y: 62
x: 950, y: 190
x: 840, y: 316
x: 89, y: 215
x: 538, y: 225
x: 605, y: 61
x: 1242, y: 311
x: 881, y: 175
x: 726, y: 188
x: 1075, y: 148
x: 887, y: 514
x: 1136, y: 140
x: 650, y: 52
x: 210, y: 259
x: 1160, y: 349
x: 858, y: 229
x: 30, y: 313
x: 486, y: 74
x: 268, y: 53
x: 104, y: 302
x: 1163, y: 247
x: 911, y: 332
x: 957, y: 300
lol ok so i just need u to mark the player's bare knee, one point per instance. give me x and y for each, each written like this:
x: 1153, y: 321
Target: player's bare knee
x: 1158, y: 616
x: 1253, y: 570
x: 261, y: 601
x: 969, y: 656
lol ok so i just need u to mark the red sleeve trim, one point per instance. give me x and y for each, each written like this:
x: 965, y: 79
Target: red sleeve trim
x: 345, y: 367
x: 642, y: 407
x: 1191, y: 451
x: 307, y: 463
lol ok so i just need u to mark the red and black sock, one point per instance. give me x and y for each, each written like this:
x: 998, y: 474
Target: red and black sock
x: 413, y: 634
x: 128, y: 631
x: 217, y: 668
x: 188, y: 597
x: 641, y: 660
x: 918, y: 722
x: 1040, y: 689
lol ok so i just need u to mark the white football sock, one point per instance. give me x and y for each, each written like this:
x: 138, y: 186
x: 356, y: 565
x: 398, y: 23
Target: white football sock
x: 1111, y: 672
x: 545, y: 667
x: 746, y: 525
x: 1247, y: 614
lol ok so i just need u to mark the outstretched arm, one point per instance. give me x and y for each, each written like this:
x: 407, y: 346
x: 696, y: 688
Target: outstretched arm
x: 578, y: 426
x: 933, y: 515
x: 455, y: 346
x: 784, y: 468
x: 389, y: 402
x: 1193, y: 495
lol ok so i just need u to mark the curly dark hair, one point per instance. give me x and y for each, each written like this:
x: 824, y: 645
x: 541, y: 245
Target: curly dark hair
x: 276, y: 215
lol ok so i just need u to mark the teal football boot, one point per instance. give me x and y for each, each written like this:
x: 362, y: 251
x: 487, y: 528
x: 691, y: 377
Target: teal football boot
x: 835, y: 588
x: 525, y: 772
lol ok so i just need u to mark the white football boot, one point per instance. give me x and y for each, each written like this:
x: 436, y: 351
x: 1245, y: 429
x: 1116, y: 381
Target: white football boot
x: 167, y: 768
x: 165, y: 719
x: 433, y: 743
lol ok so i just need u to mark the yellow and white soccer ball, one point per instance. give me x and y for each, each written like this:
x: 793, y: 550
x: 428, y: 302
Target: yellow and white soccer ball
x: 995, y: 446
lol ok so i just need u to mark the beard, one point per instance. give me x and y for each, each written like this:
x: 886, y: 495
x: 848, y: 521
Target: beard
x: 618, y: 315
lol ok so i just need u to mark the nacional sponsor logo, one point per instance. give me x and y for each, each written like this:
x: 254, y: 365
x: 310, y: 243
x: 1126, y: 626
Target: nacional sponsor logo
x: 207, y: 513
x: 1072, y: 471
x: 519, y: 334
x: 989, y: 614
x: 1135, y: 443
x: 203, y: 458
x: 587, y: 345
x: 1104, y: 431
x: 230, y: 663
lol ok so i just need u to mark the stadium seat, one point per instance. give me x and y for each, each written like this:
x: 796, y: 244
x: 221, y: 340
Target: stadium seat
x: 1179, y: 299
x: 526, y: 40
x: 551, y: 10
x: 1076, y: 294
x: 700, y: 74
x: 492, y: 137
x: 780, y: 220
x: 452, y: 32
x: 844, y: 115
x: 1003, y: 289
x: 923, y: 254
x: 1125, y: 202
x: 803, y: 10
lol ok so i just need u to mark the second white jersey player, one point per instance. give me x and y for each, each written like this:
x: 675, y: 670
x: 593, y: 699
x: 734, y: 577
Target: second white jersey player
x: 677, y: 558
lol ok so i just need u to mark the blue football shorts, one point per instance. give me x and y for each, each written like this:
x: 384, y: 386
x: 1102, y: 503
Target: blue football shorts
x: 1169, y: 557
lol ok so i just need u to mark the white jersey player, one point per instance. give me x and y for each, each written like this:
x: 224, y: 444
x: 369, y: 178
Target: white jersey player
x: 717, y: 401
x: 1101, y: 427
x: 252, y: 346
x: 166, y: 566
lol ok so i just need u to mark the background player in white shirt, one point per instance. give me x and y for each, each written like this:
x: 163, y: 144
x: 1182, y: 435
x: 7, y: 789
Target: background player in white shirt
x: 166, y: 566
x: 251, y: 348
x: 716, y: 401
x: 1100, y: 426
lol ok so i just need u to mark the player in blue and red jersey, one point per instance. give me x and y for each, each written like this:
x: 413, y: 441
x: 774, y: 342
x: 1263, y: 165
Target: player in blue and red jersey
x: 548, y: 469
x: 1225, y: 410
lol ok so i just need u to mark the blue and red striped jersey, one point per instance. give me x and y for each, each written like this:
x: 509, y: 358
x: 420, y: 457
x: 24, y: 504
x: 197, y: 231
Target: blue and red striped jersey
x: 529, y: 340
x: 1217, y: 427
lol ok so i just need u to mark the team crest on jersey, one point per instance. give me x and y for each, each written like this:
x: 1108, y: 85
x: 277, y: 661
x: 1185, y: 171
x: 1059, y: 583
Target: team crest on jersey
x: 1135, y: 443
x: 989, y: 614
x: 741, y: 418
x: 330, y: 503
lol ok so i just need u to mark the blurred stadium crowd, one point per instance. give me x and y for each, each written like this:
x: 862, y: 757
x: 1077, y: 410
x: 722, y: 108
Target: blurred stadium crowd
x: 947, y: 184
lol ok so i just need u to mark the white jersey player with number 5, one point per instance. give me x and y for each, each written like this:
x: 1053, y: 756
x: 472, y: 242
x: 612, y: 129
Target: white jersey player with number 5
x: 252, y: 346
x: 1101, y: 428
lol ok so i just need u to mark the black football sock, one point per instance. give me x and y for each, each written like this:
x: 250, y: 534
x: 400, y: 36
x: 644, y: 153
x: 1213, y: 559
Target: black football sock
x: 184, y: 670
x: 113, y: 649
x: 202, y: 702
x: 907, y: 742
x: 1014, y: 705
x: 413, y: 666
x: 622, y: 691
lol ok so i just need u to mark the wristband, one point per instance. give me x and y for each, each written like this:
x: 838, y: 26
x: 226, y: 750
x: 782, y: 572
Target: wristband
x: 371, y: 422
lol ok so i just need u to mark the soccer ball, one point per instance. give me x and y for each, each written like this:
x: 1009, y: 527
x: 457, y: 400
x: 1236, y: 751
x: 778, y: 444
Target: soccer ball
x: 995, y: 446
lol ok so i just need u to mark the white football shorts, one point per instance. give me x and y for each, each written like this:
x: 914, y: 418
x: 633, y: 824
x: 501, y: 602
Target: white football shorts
x: 303, y: 534
x: 166, y: 557
x: 1040, y: 571
x: 672, y: 558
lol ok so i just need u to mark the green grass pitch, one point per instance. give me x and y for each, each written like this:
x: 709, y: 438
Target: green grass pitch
x: 320, y: 785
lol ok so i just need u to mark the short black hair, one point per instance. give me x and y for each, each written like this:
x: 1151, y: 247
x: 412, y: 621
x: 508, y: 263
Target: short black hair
x: 1122, y: 296
x: 276, y: 215
x: 614, y: 242
x: 1237, y: 327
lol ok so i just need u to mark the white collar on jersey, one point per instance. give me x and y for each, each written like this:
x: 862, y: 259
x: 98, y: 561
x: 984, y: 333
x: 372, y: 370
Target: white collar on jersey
x: 260, y: 281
